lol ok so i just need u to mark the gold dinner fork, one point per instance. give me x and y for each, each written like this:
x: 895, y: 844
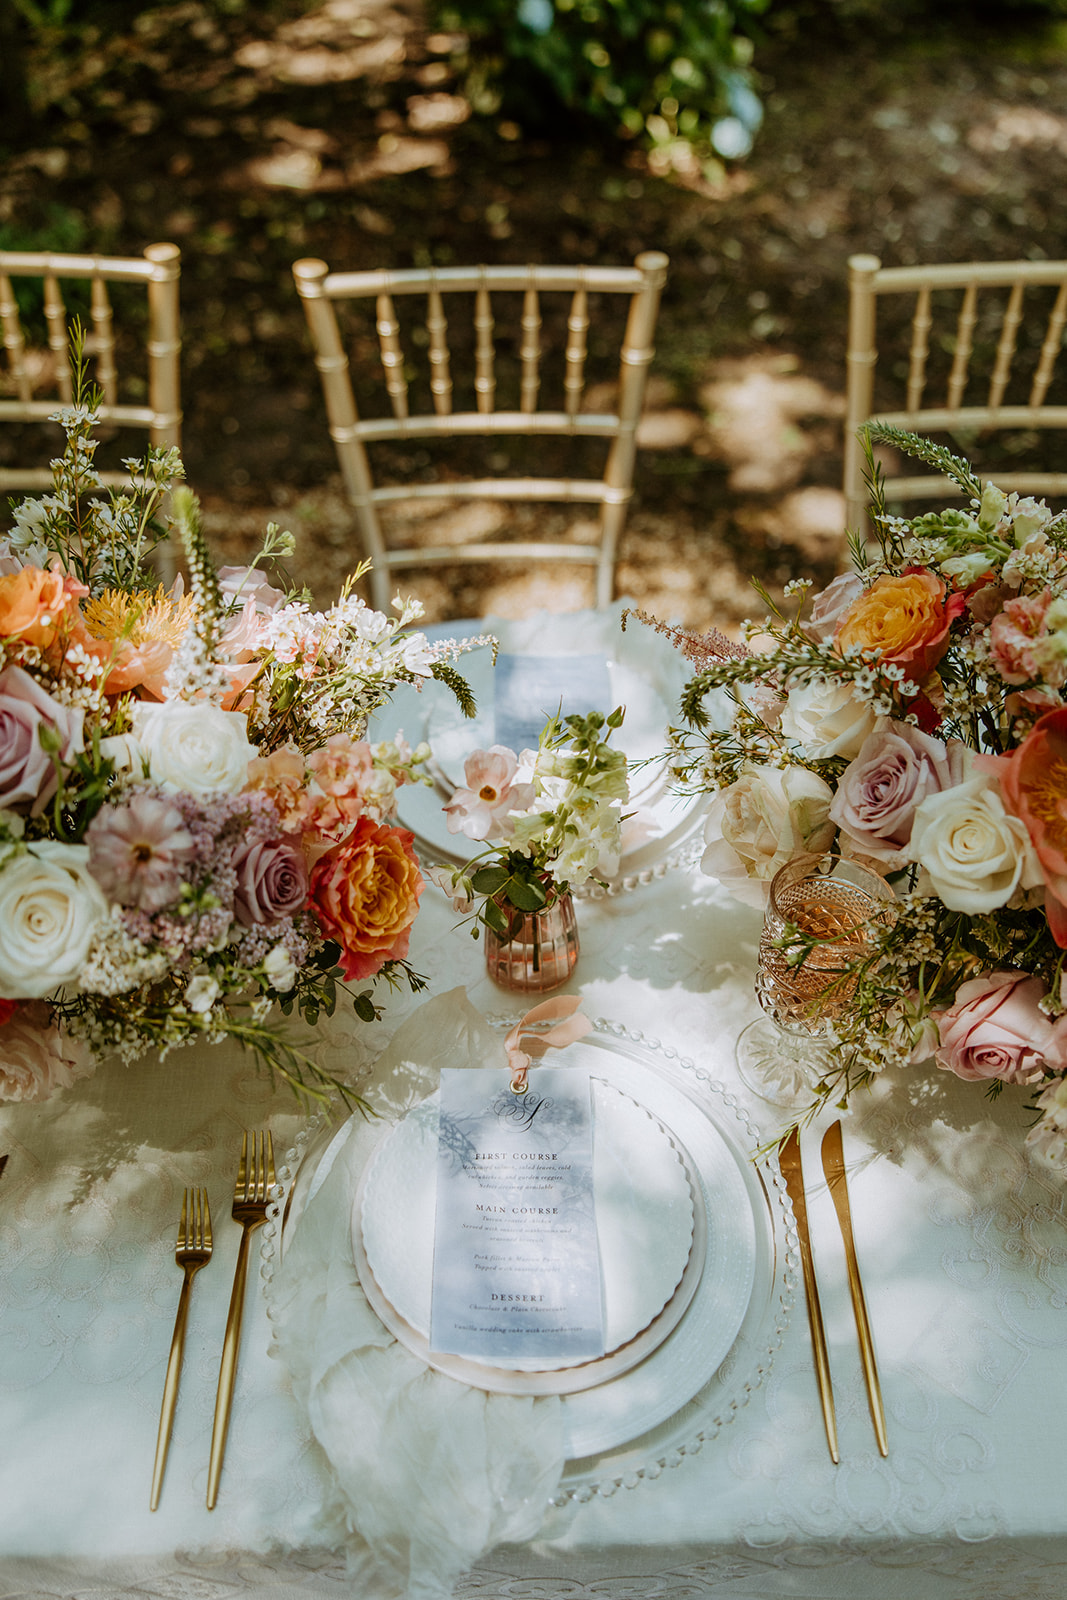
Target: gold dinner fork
x: 255, y: 1179
x: 192, y: 1252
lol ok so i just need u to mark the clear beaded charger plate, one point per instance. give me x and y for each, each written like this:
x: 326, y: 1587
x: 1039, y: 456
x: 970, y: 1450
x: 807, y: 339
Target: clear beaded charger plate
x: 693, y: 1384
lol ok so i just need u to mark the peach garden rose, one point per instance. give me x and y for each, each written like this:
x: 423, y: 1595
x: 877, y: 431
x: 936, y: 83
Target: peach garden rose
x: 906, y: 617
x: 365, y: 893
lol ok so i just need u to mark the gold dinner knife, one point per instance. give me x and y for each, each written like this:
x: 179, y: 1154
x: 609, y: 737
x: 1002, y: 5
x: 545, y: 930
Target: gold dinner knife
x: 833, y: 1164
x: 793, y: 1174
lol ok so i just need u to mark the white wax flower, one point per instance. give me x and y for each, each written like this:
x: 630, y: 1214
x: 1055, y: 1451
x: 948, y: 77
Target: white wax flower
x: 201, y: 993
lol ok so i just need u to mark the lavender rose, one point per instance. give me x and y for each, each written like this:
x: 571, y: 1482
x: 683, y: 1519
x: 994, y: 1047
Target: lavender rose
x: 995, y: 1029
x: 26, y: 770
x: 878, y: 792
x: 272, y: 881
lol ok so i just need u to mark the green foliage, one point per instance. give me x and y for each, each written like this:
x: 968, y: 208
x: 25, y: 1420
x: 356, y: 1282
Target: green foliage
x: 675, y: 75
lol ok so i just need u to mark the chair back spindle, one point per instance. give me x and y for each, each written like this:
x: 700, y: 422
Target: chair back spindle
x: 999, y: 307
x: 158, y: 414
x: 530, y: 411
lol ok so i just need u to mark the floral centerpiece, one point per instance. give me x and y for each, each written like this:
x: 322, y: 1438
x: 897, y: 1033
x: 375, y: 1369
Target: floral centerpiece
x: 193, y: 830
x: 550, y: 819
x: 913, y: 717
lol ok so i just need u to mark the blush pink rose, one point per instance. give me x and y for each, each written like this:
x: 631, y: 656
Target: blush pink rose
x: 36, y: 1059
x: 27, y: 775
x: 272, y: 881
x: 897, y: 767
x: 830, y: 605
x: 996, y: 1029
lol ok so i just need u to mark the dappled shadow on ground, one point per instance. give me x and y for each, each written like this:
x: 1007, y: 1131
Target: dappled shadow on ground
x: 341, y: 130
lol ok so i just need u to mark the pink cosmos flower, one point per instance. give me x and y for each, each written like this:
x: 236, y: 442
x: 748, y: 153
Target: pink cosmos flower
x: 247, y: 585
x: 137, y: 851
x: 244, y: 635
x: 480, y: 811
x: 996, y: 1029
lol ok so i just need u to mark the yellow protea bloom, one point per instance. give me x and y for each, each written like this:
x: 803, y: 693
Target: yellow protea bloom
x: 139, y: 618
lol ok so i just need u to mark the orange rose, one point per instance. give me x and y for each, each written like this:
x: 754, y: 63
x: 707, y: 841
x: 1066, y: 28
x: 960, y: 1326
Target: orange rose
x: 365, y: 893
x: 907, y: 618
x: 35, y: 605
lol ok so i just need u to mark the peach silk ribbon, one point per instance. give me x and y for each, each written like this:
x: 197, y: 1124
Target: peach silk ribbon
x: 525, y: 1048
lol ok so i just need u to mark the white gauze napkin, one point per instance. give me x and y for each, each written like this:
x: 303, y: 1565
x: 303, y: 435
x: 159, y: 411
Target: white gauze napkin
x: 425, y: 1473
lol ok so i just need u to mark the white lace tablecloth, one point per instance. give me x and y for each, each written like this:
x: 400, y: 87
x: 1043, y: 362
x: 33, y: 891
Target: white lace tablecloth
x: 964, y: 1253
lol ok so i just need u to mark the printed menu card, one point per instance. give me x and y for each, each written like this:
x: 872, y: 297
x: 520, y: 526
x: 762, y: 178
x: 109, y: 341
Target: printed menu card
x: 516, y: 1266
x: 527, y: 690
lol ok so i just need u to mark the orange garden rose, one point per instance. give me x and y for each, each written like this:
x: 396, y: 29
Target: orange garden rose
x: 365, y: 893
x: 906, y: 617
x: 35, y: 605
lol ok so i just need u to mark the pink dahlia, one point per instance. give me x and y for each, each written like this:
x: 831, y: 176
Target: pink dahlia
x: 138, y: 851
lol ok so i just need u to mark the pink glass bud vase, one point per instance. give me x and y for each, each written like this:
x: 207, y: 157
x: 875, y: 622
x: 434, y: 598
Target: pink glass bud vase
x: 540, y: 951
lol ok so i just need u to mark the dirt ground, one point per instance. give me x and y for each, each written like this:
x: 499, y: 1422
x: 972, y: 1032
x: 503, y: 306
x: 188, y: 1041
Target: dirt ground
x: 339, y: 131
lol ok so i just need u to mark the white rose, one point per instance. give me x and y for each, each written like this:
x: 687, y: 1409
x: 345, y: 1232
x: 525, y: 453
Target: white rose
x: 825, y: 719
x: 760, y: 822
x: 49, y: 907
x: 126, y: 753
x: 194, y: 746
x: 973, y: 853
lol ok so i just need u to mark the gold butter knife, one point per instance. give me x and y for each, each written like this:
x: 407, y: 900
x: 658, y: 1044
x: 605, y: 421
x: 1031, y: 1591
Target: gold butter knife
x: 793, y: 1174
x: 833, y: 1164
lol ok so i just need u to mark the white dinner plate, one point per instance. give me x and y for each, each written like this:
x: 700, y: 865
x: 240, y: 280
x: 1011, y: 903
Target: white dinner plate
x: 723, y: 1345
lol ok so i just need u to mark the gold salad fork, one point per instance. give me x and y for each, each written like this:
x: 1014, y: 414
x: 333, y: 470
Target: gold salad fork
x: 255, y: 1179
x: 192, y: 1252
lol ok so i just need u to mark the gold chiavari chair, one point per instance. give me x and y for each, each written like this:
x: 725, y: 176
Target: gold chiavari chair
x: 493, y: 413
x: 981, y: 357
x: 36, y: 380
